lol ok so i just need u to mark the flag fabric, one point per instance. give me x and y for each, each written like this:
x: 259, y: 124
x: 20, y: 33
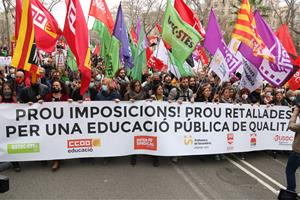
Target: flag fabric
x: 100, y: 11
x: 113, y: 58
x: 140, y: 57
x: 18, y: 17
x: 188, y: 16
x: 277, y: 72
x: 104, y: 36
x: 138, y: 28
x: 96, y: 50
x: 294, y: 82
x: 120, y: 32
x: 76, y: 34
x: 251, y: 78
x: 25, y: 55
x: 133, y: 36
x: 47, y: 31
x: 214, y: 41
x: 183, y: 69
x: 179, y: 35
x: 71, y: 61
x: 153, y: 62
x: 286, y: 40
x: 158, y: 27
x: 245, y: 30
x: 219, y: 66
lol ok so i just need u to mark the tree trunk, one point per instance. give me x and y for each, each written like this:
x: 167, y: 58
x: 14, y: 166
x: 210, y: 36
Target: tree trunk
x: 6, y: 7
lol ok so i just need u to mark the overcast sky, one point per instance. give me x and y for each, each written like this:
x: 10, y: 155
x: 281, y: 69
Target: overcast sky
x: 59, y: 11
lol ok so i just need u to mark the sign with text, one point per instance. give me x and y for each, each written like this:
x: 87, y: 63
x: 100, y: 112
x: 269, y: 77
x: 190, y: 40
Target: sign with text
x: 62, y: 130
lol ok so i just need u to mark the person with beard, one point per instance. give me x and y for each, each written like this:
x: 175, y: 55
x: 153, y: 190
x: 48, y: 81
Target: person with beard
x: 123, y: 81
x: 58, y: 93
x: 167, y: 84
x: 182, y: 92
x: 193, y: 85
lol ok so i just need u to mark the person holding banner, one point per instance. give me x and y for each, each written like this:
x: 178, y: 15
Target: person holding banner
x: 8, y: 95
x: 181, y: 93
x: 157, y: 96
x: 135, y: 93
x: 204, y: 93
x: 58, y: 93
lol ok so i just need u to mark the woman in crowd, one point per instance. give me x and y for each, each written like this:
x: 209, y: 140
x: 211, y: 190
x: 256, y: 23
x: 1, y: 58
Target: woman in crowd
x: 204, y: 93
x: 279, y: 99
x: 158, y: 96
x: 58, y: 93
x: 243, y: 97
x: 135, y: 93
x: 225, y: 95
x: 8, y: 95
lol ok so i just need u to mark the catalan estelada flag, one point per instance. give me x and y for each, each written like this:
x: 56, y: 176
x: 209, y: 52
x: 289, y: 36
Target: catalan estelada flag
x: 245, y: 31
x: 25, y: 53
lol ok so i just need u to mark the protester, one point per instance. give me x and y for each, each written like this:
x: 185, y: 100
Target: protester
x: 58, y: 93
x: 294, y: 158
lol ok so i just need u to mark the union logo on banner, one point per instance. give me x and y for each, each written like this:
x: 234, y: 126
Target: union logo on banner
x: 253, y: 139
x: 230, y: 138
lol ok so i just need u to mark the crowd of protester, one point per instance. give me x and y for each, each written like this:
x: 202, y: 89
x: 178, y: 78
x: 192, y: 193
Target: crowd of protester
x: 62, y: 84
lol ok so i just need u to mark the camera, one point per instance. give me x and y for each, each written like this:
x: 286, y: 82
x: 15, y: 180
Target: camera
x: 4, y: 180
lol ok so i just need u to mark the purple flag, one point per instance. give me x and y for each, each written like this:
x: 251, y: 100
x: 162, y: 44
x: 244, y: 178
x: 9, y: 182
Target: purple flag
x: 214, y: 40
x: 120, y: 32
x: 214, y: 37
x: 138, y: 28
x: 276, y: 73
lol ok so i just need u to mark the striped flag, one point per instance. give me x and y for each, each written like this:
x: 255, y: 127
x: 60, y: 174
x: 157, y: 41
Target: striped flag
x: 245, y: 31
x: 25, y: 54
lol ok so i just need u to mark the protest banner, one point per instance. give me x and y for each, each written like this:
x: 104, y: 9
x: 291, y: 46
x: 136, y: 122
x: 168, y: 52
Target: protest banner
x: 62, y: 130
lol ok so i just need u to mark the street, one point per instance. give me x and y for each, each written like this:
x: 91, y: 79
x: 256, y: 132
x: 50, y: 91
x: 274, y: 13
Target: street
x: 259, y: 176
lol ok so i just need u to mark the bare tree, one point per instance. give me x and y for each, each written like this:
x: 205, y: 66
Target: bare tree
x: 147, y: 11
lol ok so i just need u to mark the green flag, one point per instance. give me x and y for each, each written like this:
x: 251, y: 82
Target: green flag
x: 184, y: 69
x: 178, y: 34
x: 71, y: 61
x: 113, y: 60
x: 105, y: 38
x: 140, y: 57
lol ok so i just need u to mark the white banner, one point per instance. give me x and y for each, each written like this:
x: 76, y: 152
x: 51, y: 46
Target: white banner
x: 5, y: 61
x: 62, y: 130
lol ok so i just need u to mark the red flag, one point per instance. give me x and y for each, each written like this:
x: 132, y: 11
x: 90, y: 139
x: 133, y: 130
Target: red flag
x: 133, y: 35
x: 100, y: 11
x: 76, y: 34
x: 154, y: 62
x: 96, y: 50
x: 158, y: 27
x: 286, y: 40
x: 188, y: 16
x: 203, y: 56
x: 18, y: 17
x: 47, y: 31
x: 294, y: 82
